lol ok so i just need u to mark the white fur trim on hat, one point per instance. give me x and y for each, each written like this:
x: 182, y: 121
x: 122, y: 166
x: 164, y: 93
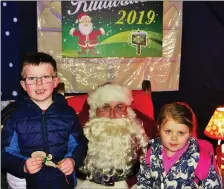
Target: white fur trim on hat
x: 107, y: 94
x: 83, y: 17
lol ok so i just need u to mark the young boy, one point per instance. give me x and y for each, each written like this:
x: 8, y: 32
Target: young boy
x: 42, y: 141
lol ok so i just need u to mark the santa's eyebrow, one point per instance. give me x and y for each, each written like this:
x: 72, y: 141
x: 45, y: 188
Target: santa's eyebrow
x: 106, y: 104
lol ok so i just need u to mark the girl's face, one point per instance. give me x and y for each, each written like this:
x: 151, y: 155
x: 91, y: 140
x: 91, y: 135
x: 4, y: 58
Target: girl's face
x: 174, y: 136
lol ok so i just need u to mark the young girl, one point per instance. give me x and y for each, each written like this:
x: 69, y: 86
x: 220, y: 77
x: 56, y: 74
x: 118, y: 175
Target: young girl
x: 172, y: 159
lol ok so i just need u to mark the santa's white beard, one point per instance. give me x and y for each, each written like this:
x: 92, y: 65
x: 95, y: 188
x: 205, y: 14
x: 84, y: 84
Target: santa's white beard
x: 85, y: 29
x: 113, y: 144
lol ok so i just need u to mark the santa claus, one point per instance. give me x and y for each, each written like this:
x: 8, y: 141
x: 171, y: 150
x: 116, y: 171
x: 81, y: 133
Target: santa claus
x: 88, y: 38
x: 117, y: 140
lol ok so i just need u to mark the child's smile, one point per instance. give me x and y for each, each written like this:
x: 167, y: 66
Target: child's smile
x: 40, y: 91
x: 173, y: 145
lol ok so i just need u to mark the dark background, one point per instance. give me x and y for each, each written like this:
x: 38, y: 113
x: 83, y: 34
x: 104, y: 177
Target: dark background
x: 202, y: 61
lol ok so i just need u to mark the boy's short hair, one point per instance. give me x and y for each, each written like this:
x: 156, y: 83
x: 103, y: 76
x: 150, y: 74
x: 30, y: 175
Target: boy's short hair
x: 38, y: 58
x: 146, y: 84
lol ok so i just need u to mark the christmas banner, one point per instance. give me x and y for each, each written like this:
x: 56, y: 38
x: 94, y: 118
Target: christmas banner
x: 82, y: 73
x: 112, y: 28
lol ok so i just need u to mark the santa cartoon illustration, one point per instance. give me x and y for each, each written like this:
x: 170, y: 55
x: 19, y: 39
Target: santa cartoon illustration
x: 87, y: 37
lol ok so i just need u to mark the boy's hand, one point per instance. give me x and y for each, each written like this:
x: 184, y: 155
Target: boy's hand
x: 66, y: 166
x: 33, y: 165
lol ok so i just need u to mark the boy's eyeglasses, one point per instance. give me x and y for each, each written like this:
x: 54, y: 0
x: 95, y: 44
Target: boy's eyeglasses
x: 44, y: 79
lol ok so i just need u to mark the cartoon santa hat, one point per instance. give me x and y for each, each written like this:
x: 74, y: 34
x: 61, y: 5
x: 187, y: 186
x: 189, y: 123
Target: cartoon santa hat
x: 81, y: 16
x: 106, y: 94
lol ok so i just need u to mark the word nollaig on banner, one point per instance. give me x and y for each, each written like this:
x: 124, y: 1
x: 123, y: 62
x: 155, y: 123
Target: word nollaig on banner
x: 112, y: 28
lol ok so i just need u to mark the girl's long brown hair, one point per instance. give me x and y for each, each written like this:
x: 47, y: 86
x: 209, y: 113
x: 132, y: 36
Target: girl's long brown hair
x: 179, y: 112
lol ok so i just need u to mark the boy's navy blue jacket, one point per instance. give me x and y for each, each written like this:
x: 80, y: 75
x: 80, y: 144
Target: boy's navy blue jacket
x: 56, y: 131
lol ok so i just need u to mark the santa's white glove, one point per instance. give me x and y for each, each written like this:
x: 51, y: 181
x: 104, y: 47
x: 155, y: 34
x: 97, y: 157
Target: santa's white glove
x: 71, y: 31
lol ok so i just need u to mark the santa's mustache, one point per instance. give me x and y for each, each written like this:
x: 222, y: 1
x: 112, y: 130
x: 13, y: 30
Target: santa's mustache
x: 98, y: 127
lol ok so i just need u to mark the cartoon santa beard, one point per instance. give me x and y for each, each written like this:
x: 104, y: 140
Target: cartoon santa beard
x: 85, y: 28
x: 113, y: 145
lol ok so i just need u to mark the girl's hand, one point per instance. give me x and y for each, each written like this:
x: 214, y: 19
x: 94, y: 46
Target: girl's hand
x: 66, y: 166
x: 33, y: 165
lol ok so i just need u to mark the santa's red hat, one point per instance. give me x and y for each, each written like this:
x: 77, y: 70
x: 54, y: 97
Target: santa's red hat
x: 81, y: 16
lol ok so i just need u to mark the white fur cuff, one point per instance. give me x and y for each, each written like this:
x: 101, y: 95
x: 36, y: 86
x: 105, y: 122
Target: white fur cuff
x: 102, y: 31
x: 92, y: 185
x: 71, y: 31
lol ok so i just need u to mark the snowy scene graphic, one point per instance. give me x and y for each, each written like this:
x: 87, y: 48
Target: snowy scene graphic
x: 112, y: 29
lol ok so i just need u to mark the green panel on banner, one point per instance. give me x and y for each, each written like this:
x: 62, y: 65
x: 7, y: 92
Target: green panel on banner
x: 112, y: 28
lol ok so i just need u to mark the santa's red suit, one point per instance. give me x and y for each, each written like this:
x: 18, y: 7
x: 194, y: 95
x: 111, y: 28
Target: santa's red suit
x: 89, y: 40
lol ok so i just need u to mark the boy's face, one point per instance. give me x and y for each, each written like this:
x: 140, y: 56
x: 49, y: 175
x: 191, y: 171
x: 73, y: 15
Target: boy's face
x: 40, y: 93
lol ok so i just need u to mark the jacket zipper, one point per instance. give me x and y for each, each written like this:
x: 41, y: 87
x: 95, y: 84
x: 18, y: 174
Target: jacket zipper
x: 44, y: 132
